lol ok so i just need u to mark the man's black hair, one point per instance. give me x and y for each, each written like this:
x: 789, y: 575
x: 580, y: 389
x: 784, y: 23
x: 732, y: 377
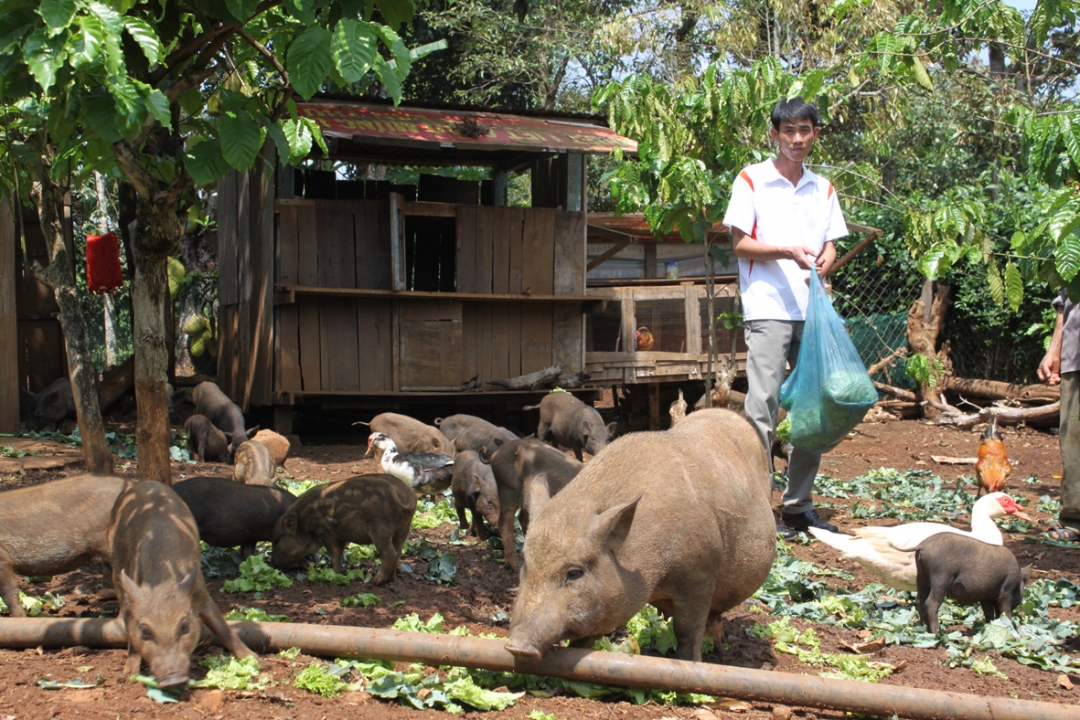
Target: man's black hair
x: 794, y: 109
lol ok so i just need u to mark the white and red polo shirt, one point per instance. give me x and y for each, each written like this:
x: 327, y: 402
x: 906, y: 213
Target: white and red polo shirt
x: 767, y: 207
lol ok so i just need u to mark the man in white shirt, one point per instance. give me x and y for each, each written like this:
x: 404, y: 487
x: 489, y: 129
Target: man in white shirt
x: 783, y: 221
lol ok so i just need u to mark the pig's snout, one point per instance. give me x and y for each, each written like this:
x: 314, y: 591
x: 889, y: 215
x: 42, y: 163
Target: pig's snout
x: 173, y: 679
x: 524, y: 651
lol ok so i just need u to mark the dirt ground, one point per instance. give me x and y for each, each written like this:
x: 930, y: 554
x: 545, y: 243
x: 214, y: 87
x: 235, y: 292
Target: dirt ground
x: 484, y: 590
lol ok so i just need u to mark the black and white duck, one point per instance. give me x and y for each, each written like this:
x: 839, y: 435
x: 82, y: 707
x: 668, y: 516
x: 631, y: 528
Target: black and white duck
x: 426, y: 473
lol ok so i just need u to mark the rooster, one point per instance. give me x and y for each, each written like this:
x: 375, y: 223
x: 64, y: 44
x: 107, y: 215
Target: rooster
x: 992, y: 467
x: 644, y: 339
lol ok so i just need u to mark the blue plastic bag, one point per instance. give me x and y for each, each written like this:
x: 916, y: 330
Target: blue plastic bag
x: 829, y: 392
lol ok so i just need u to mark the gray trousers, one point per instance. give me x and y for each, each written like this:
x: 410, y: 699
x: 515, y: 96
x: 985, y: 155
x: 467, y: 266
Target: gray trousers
x: 770, y: 345
x: 1069, y: 437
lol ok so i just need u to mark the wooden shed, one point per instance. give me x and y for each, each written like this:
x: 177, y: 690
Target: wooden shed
x: 340, y: 291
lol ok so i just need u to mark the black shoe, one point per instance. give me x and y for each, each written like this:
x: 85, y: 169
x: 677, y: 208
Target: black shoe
x: 802, y: 521
x: 785, y: 532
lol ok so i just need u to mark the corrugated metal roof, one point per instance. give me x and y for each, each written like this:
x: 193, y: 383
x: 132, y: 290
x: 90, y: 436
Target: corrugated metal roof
x: 423, y: 129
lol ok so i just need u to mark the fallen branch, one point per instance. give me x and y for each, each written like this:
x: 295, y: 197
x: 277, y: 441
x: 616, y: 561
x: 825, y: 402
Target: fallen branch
x: 1005, y: 416
x: 947, y: 460
x: 994, y: 390
x: 896, y: 392
x: 887, y: 362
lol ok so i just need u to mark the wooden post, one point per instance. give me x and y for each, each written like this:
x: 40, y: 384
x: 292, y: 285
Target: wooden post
x: 9, y: 355
x: 502, y: 182
x: 650, y: 259
x: 397, y: 241
x: 283, y: 417
x: 654, y: 406
x: 574, y: 185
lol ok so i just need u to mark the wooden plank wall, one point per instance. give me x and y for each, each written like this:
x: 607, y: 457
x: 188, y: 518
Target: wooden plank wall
x: 334, y: 344
x: 9, y: 355
x: 536, y: 251
x: 42, y: 353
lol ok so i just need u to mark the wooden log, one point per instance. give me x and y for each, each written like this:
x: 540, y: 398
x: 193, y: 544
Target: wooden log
x: 995, y: 390
x: 531, y: 381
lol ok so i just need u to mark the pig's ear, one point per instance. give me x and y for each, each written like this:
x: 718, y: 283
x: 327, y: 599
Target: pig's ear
x: 188, y: 582
x: 485, y: 455
x: 497, y: 442
x: 611, y: 527
x: 251, y: 433
x: 288, y: 523
x: 438, y: 422
x: 611, y: 429
x: 539, y: 494
x: 130, y: 588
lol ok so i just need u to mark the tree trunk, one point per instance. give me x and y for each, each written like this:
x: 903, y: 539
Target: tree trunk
x: 923, y: 331
x: 156, y: 235
x: 1003, y: 391
x: 60, y: 277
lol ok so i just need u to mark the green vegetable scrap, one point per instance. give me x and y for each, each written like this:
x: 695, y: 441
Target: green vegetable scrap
x: 787, y: 639
x: 289, y: 653
x: 433, y: 514
x: 37, y: 606
x: 329, y: 575
x: 354, y: 554
x: 317, y: 680
x: 541, y: 715
x: 225, y: 672
x: 256, y: 576
x: 362, y: 600
x: 413, y: 623
x: 255, y: 615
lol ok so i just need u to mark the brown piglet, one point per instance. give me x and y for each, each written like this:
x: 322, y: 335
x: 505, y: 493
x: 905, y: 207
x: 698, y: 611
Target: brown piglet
x: 410, y: 435
x: 163, y: 597
x: 680, y: 519
x: 474, y: 489
x: 54, y: 528
x: 566, y: 421
x: 365, y: 509
x: 967, y: 570
x: 253, y: 464
x: 205, y: 443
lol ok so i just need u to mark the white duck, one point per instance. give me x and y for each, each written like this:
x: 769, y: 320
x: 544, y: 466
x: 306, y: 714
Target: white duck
x: 426, y: 473
x: 878, y: 549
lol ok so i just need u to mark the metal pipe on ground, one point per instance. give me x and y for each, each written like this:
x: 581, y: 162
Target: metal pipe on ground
x: 572, y: 664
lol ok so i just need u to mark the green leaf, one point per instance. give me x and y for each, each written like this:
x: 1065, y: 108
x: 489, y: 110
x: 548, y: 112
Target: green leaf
x: 242, y: 10
x: 101, y: 113
x: 353, y: 48
x: 144, y: 35
x: 130, y: 107
x: 57, y: 13
x: 1067, y: 256
x: 388, y: 78
x: 158, y: 105
x: 205, y: 163
x: 309, y: 61
x: 1014, y: 286
x: 993, y: 281
x: 241, y: 138
x: 278, y: 137
x: 44, y: 55
x: 396, y: 12
x: 921, y: 76
x: 14, y: 25
x: 402, y: 59
x: 299, y: 138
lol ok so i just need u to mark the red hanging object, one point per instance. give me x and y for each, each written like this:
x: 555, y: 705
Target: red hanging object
x: 103, y: 272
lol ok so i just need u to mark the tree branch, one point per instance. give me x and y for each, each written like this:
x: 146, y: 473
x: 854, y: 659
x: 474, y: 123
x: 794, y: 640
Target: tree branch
x: 263, y: 50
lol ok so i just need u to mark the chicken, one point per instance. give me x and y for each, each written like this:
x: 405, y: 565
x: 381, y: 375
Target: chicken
x: 644, y: 339
x: 992, y: 467
x: 426, y: 473
x: 884, y: 550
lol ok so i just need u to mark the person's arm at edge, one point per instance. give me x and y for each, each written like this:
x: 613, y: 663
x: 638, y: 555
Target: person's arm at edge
x: 1050, y: 367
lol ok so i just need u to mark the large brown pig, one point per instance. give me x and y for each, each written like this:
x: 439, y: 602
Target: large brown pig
x: 514, y: 465
x: 680, y: 519
x: 475, y: 490
x: 566, y: 421
x: 157, y: 573
x: 469, y: 432
x: 364, y: 509
x: 54, y: 528
x: 411, y: 435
